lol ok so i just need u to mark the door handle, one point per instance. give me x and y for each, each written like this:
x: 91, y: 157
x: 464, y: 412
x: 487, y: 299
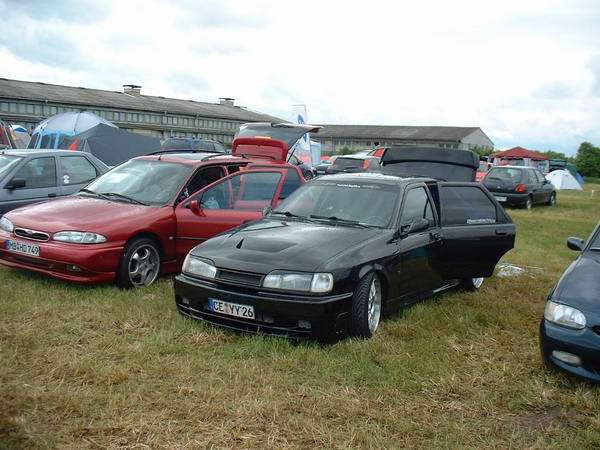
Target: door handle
x: 52, y: 194
x: 501, y: 233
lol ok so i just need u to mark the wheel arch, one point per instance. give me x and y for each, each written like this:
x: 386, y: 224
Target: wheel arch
x: 380, y: 272
x: 149, y: 235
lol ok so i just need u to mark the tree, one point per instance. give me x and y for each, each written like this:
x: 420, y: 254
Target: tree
x: 588, y: 160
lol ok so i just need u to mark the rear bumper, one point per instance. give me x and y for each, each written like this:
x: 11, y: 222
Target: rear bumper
x: 584, y: 344
x: 297, y: 317
x: 512, y: 199
x: 96, y: 263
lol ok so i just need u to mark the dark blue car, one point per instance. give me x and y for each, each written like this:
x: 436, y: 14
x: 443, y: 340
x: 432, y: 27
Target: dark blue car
x: 570, y: 329
x: 28, y: 176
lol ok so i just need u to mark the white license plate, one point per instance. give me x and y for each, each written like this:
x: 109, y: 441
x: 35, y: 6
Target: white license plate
x: 22, y: 247
x: 231, y: 309
x: 500, y: 199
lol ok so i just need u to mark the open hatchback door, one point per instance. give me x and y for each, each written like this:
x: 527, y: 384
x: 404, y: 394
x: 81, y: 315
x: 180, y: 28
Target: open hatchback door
x: 433, y: 162
x: 269, y: 140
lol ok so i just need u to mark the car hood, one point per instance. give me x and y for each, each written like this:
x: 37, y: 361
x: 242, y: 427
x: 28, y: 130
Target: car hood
x: 76, y: 213
x: 269, y: 244
x: 580, y: 286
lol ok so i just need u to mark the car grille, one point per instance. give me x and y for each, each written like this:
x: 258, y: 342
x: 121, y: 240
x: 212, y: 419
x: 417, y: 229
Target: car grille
x: 250, y: 279
x: 32, y: 234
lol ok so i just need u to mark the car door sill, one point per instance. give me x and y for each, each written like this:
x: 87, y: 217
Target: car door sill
x: 446, y: 286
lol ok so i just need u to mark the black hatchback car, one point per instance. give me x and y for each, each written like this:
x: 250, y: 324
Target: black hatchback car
x: 344, y: 250
x: 29, y: 176
x: 520, y: 186
x: 354, y: 164
x: 570, y: 328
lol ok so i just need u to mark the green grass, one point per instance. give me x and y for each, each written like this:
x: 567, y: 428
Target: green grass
x: 102, y: 368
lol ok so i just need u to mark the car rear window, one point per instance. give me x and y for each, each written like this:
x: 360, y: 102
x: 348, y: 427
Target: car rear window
x: 466, y: 205
x: 347, y: 162
x: 505, y: 174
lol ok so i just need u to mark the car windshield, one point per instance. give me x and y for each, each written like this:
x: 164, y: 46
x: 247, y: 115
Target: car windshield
x: 596, y: 241
x: 358, y: 202
x: 505, y: 174
x: 344, y: 163
x: 7, y: 162
x: 151, y: 182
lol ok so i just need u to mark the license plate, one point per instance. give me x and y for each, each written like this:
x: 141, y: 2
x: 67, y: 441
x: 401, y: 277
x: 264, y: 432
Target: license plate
x: 231, y: 309
x: 500, y: 199
x: 22, y: 247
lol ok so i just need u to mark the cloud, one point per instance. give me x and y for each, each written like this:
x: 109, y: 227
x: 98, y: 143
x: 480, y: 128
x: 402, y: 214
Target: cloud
x: 71, y: 11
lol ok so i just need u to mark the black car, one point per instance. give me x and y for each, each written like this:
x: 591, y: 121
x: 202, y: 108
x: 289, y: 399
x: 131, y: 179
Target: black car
x: 307, y: 170
x: 343, y: 250
x: 354, y: 164
x: 520, y: 186
x: 29, y: 176
x: 570, y: 328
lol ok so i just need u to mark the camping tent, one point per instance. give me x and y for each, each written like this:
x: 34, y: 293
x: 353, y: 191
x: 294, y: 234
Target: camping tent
x: 562, y: 179
x: 111, y: 145
x: 49, y: 132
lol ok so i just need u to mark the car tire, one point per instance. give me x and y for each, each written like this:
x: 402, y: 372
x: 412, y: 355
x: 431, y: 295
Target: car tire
x: 552, y: 199
x: 528, y: 203
x: 471, y: 284
x: 140, y: 264
x: 367, y: 303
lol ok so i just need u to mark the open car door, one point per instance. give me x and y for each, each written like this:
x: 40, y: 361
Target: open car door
x: 225, y: 204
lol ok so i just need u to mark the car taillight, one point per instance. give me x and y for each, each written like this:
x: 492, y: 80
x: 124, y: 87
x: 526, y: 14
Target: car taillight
x: 521, y: 188
x: 365, y: 164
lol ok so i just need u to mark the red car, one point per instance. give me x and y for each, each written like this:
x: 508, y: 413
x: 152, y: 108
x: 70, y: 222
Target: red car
x: 144, y: 216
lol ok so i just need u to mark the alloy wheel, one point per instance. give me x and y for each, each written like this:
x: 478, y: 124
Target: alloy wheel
x: 477, y: 282
x: 374, y: 306
x: 144, y: 266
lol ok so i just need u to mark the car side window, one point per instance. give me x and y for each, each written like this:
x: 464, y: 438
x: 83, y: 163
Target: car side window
x: 38, y: 173
x: 540, y: 176
x: 201, y: 179
x: 416, y: 206
x: 76, y: 170
x: 244, y: 191
x: 291, y: 183
x: 466, y: 205
x: 531, y: 178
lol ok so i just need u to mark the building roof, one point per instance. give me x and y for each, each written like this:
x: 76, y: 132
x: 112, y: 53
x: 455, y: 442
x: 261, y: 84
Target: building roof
x: 520, y: 153
x: 54, y: 93
x: 392, y: 132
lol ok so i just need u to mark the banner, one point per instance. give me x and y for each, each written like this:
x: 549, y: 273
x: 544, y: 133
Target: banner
x: 302, y: 147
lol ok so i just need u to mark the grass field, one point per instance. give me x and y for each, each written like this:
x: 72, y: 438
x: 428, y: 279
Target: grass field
x: 98, y: 367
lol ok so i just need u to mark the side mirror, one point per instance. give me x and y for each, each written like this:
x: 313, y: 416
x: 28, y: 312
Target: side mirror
x: 16, y: 183
x: 195, y: 207
x: 575, y: 243
x: 414, y: 227
x: 266, y: 210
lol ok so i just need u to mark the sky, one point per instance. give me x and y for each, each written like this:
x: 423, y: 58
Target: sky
x: 527, y: 72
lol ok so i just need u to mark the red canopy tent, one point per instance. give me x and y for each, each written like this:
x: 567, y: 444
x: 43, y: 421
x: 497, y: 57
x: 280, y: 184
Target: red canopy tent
x: 520, y: 153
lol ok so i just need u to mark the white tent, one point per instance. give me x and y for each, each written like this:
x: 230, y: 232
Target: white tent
x: 562, y: 179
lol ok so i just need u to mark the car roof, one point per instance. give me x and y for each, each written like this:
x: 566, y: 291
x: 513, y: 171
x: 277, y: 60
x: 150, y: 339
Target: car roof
x: 26, y: 152
x: 514, y: 167
x: 374, y: 177
x: 355, y: 157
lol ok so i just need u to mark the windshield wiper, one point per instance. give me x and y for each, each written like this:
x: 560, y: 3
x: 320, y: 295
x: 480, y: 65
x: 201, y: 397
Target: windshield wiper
x: 288, y: 214
x: 97, y: 194
x: 124, y: 197
x: 338, y: 220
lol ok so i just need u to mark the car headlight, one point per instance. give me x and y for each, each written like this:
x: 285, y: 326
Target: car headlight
x: 564, y: 315
x: 79, y: 237
x: 6, y: 225
x: 306, y: 282
x: 198, y: 267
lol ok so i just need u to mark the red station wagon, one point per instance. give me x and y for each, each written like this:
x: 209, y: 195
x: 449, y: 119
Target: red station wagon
x: 144, y: 216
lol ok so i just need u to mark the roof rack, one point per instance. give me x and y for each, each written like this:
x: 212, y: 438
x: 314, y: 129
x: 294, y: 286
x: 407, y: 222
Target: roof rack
x: 183, y: 150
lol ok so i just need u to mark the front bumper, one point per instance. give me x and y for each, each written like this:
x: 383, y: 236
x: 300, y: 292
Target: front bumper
x: 97, y: 263
x: 279, y: 315
x: 583, y: 343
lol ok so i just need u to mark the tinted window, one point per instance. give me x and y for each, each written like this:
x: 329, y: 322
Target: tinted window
x: 466, y: 205
x: 416, y: 206
x: 148, y: 181
x: 540, y: 176
x: 38, y: 173
x: 246, y: 191
x: 47, y: 141
x: 291, y: 183
x: 531, y: 177
x: 76, y: 170
x: 201, y: 179
x: 505, y: 174
x: 344, y: 163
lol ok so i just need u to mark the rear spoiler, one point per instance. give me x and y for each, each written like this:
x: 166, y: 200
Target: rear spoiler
x: 432, y: 162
